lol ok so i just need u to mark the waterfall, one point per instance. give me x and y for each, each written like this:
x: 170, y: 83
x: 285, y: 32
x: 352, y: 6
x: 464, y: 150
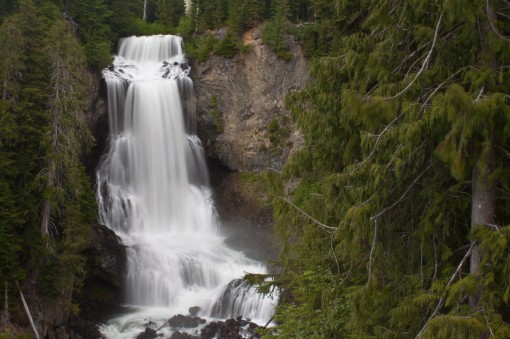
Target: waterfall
x: 153, y: 191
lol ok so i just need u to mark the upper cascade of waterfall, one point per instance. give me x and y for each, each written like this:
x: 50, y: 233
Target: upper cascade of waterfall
x: 150, y: 48
x: 148, y: 57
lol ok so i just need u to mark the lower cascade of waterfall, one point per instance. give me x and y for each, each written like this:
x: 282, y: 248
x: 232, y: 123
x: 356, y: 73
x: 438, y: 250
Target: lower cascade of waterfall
x: 153, y: 191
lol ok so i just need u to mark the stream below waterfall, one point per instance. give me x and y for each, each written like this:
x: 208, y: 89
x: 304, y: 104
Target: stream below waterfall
x: 153, y: 191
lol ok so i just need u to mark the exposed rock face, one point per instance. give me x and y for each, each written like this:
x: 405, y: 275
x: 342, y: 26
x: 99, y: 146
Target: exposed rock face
x: 97, y: 118
x: 238, y: 98
x: 101, y: 293
x: 245, y: 212
x: 109, y: 256
x: 106, y: 267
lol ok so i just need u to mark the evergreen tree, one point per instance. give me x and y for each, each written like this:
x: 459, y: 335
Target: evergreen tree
x: 92, y: 18
x: 405, y: 142
x: 43, y: 91
x: 68, y: 133
x: 169, y: 12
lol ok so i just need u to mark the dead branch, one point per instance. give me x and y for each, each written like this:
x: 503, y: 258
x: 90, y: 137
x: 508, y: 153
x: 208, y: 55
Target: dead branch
x: 371, y: 257
x: 29, y: 315
x: 402, y: 196
x: 452, y: 278
x: 308, y: 216
x: 425, y: 62
x: 441, y: 85
x: 491, y: 17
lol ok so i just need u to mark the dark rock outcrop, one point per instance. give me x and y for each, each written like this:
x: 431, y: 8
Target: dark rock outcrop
x: 183, y: 321
x: 102, y: 292
x: 108, y: 256
x: 148, y: 334
x: 193, y: 311
x: 230, y: 329
x: 81, y: 328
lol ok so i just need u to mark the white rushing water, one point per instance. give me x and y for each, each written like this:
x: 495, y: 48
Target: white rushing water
x: 153, y: 192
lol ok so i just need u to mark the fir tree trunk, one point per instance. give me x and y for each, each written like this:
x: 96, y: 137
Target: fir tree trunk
x: 483, y: 210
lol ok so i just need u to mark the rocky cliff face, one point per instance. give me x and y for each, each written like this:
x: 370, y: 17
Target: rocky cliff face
x: 240, y: 105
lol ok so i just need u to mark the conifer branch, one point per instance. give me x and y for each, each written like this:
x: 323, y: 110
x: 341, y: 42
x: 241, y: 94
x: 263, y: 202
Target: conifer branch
x: 308, y: 216
x: 425, y: 62
x: 487, y: 321
x: 435, y: 260
x: 372, y: 152
x: 491, y: 16
x: 334, y: 254
x: 504, y: 151
x: 441, y: 85
x: 371, y: 257
x: 382, y: 133
x: 452, y: 278
x: 386, y: 209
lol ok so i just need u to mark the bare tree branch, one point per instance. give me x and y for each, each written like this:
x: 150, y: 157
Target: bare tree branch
x: 425, y: 62
x: 371, y: 257
x: 29, y: 315
x: 308, y: 216
x: 403, y: 195
x: 452, y: 278
x: 491, y: 17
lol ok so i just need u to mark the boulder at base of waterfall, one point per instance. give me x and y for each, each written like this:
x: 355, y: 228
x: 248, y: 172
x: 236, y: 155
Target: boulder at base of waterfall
x: 230, y: 329
x: 193, y: 311
x: 179, y: 335
x: 183, y: 321
x: 148, y: 334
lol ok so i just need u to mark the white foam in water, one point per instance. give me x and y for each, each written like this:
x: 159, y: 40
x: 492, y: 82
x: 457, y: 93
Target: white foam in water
x: 153, y: 192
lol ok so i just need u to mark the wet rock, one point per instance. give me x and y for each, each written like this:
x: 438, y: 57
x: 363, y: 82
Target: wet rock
x: 179, y: 335
x: 82, y: 328
x: 110, y: 256
x: 230, y: 329
x: 193, y: 311
x: 210, y: 330
x: 148, y: 334
x: 183, y: 321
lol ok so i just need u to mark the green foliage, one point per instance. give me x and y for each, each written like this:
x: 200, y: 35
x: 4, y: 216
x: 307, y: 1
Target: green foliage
x: 380, y: 193
x: 185, y: 28
x: 169, y: 12
x: 214, y: 112
x: 92, y: 19
x: 203, y: 47
x: 44, y: 92
x: 141, y: 27
x: 275, y: 31
x: 273, y: 35
x: 226, y: 47
x: 278, y: 132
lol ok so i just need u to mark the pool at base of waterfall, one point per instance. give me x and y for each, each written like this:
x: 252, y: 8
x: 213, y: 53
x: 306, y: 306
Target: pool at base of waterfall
x: 157, y: 322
